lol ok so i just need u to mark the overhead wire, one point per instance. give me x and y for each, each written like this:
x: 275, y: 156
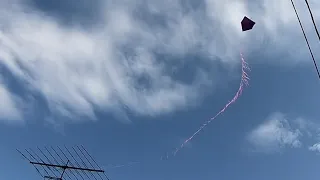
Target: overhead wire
x: 305, y: 37
x: 313, y: 21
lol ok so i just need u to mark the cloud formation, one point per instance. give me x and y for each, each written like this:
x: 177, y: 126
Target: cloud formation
x: 130, y: 58
x: 274, y: 134
x: 9, y: 109
x: 315, y: 147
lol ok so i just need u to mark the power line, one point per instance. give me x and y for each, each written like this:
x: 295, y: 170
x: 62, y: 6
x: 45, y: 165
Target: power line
x: 314, y: 24
x: 305, y: 37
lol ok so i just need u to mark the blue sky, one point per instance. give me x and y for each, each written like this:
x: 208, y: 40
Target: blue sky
x: 130, y: 80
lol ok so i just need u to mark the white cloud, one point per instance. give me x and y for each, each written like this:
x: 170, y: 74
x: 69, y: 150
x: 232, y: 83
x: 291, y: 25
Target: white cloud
x: 315, y: 147
x: 9, y: 109
x: 274, y: 134
x: 311, y: 128
x: 80, y: 70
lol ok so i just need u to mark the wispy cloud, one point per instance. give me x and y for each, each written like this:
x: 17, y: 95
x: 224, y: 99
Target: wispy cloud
x: 315, y: 147
x: 274, y: 134
x: 9, y: 109
x: 308, y: 127
x: 129, y: 59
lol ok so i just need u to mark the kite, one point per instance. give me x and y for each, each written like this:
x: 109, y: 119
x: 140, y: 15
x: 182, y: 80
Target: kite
x: 247, y: 24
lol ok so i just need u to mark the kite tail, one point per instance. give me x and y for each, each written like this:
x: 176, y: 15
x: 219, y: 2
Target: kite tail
x: 244, y: 82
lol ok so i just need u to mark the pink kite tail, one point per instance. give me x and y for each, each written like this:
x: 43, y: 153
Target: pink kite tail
x: 244, y: 82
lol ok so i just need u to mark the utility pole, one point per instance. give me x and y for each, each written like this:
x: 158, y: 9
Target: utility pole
x: 69, y: 164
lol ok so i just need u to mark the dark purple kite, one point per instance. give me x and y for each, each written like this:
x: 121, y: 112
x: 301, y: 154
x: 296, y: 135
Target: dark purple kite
x: 247, y: 24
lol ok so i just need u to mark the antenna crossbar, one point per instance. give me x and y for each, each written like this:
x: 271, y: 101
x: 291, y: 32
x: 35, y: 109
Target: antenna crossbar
x: 66, y: 167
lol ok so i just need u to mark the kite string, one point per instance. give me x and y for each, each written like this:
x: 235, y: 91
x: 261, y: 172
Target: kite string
x: 244, y: 82
x: 121, y: 165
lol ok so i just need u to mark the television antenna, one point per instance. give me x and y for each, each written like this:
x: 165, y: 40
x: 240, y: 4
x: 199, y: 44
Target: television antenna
x: 73, y: 163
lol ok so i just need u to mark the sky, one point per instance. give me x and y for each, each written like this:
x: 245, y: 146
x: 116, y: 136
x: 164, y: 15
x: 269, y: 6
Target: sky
x: 131, y: 80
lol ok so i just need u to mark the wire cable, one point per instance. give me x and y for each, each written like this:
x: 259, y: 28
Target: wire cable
x: 305, y: 37
x: 314, y: 24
